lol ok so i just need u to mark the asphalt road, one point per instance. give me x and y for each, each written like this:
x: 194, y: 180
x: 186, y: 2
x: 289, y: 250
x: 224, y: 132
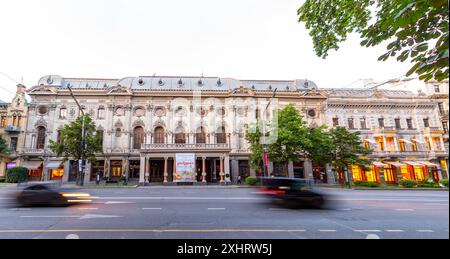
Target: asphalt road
x: 230, y: 213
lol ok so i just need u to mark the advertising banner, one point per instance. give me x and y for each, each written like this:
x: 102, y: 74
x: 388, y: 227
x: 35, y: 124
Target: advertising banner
x: 185, y: 167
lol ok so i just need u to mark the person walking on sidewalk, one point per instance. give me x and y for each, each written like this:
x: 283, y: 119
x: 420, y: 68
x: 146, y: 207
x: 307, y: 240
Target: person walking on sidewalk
x: 239, y: 181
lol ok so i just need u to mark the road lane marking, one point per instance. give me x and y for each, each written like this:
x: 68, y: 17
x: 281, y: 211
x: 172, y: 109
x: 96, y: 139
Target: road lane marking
x: 96, y: 216
x: 20, y: 209
x: 372, y: 236
x: 216, y: 208
x: 150, y: 230
x: 404, y: 209
x: 367, y: 230
x: 88, y: 208
x: 72, y: 236
x: 118, y: 202
x: 347, y: 209
x: 327, y: 230
x: 255, y: 198
x: 152, y: 208
x: 425, y: 230
x: 50, y: 216
x: 394, y: 230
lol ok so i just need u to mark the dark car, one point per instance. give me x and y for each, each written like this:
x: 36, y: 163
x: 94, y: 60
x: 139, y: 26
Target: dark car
x: 49, y: 194
x: 291, y: 192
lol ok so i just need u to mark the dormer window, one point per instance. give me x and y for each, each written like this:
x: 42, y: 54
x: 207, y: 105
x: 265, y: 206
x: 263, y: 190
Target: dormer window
x: 200, y: 82
x: 140, y: 81
x: 219, y: 82
x: 180, y: 82
x: 160, y: 82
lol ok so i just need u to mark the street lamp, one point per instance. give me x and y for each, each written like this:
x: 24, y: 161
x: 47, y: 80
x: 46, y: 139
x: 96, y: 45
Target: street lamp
x: 265, y: 152
x: 81, y: 162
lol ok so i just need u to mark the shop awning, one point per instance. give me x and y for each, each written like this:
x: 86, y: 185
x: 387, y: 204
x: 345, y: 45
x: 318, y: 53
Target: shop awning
x: 396, y: 164
x: 412, y: 163
x: 428, y: 164
x: 370, y: 141
x: 405, y: 140
x: 54, y: 164
x: 31, y: 165
x: 379, y: 164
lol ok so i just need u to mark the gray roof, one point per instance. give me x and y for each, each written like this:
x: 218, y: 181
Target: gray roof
x: 361, y: 92
x: 188, y: 83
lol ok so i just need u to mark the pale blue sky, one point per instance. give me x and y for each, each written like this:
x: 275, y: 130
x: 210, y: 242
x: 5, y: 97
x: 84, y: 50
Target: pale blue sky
x: 243, y: 39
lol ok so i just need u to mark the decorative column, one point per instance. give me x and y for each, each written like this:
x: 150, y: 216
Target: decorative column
x: 142, y: 170
x: 442, y: 144
x: 396, y: 144
x: 221, y: 170
x: 147, y: 169
x: 165, y: 169
x: 384, y: 143
x: 203, y: 169
x: 227, y: 168
x: 174, y: 171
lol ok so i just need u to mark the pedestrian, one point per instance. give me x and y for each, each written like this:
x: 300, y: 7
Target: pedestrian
x: 97, y: 180
x: 239, y: 179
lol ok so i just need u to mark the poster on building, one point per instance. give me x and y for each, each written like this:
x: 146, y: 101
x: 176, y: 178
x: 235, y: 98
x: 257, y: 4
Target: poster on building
x: 185, y: 167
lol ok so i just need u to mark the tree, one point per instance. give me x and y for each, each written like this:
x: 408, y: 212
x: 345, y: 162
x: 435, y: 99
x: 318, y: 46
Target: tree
x: 348, y: 150
x: 4, y: 150
x: 290, y: 143
x: 411, y: 26
x: 69, y: 143
x: 321, y: 145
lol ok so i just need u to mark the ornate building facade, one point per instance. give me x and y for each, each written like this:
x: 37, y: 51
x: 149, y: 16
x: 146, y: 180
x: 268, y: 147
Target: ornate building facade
x: 147, y: 121
x: 13, y: 121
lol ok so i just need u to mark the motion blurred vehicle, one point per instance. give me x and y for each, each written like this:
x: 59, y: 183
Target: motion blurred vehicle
x: 49, y: 194
x: 292, y: 192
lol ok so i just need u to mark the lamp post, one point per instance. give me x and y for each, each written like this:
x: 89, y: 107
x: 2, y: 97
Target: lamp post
x: 265, y: 151
x: 81, y: 161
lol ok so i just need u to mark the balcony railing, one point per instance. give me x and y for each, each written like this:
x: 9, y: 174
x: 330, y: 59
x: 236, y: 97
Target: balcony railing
x: 12, y: 129
x: 400, y: 153
x: 185, y: 146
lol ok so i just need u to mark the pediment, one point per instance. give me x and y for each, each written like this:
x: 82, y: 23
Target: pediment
x: 42, y: 89
x: 120, y: 90
x: 314, y: 93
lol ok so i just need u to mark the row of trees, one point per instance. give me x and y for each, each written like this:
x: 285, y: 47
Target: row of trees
x: 336, y: 146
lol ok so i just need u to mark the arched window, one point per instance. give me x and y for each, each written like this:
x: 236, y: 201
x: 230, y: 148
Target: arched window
x: 221, y: 137
x: 200, y: 136
x: 180, y: 136
x: 159, y: 135
x: 138, y: 137
x: 40, y: 142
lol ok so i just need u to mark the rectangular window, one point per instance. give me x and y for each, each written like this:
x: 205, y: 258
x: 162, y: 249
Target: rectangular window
x: 441, y: 108
x: 363, y: 123
x: 436, y: 89
x: 381, y: 122
x: 445, y: 126
x: 335, y: 122
x: 426, y: 123
x: 62, y: 113
x: 4, y: 121
x: 402, y: 146
x: 409, y: 123
x: 351, y: 124
x: 101, y: 113
x: 19, y: 121
x: 14, y: 121
x: 13, y: 145
x: 414, y: 146
x: 397, y: 123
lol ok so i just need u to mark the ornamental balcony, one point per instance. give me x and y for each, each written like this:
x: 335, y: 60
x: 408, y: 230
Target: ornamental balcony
x: 12, y: 129
x: 433, y: 130
x: 225, y: 147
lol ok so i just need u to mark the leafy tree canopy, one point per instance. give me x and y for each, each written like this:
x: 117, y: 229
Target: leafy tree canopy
x: 4, y: 150
x: 415, y: 29
x: 69, y: 144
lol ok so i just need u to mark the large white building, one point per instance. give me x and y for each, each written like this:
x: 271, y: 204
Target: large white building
x: 147, y: 121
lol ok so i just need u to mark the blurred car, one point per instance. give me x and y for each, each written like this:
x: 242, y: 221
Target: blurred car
x: 49, y: 194
x: 292, y: 192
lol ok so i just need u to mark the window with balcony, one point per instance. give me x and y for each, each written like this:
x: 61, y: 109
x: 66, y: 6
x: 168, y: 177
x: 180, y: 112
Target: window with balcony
x: 19, y: 121
x: 427, y: 141
x: 63, y: 113
x: 351, y: 123
x: 40, y: 141
x: 363, y: 123
x: 138, y: 137
x: 221, y: 136
x: 409, y: 124
x: 414, y: 147
x: 335, y: 122
x: 380, y: 143
x: 14, y: 123
x: 180, y: 136
x: 445, y: 126
x: 402, y: 146
x: 159, y: 135
x: 426, y: 122
x: 366, y: 144
x: 398, y: 124
x: 4, y: 121
x: 200, y: 136
x: 101, y: 113
x: 381, y: 122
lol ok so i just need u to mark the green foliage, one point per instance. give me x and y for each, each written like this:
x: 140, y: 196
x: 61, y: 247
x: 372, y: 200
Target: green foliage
x: 69, y: 145
x: 17, y: 174
x: 320, y: 146
x: 2, y: 179
x: 444, y: 182
x: 415, y: 29
x: 4, y: 150
x: 348, y: 149
x: 366, y: 184
x: 428, y: 183
x: 407, y: 183
x: 251, y: 180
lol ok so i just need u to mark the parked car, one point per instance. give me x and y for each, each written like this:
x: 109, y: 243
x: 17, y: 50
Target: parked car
x: 292, y: 192
x: 49, y: 194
